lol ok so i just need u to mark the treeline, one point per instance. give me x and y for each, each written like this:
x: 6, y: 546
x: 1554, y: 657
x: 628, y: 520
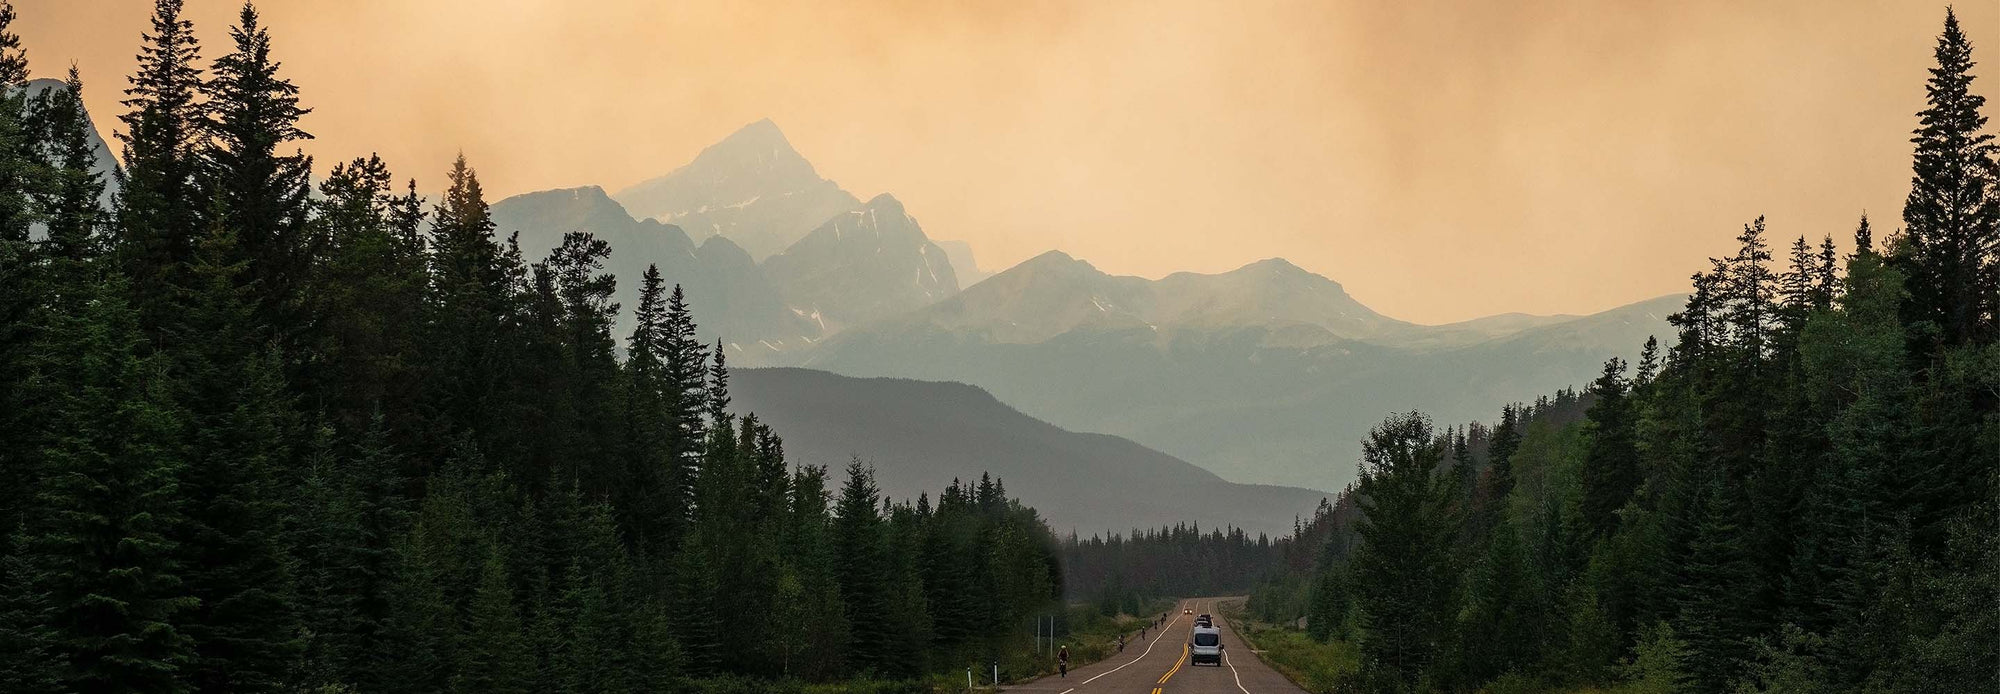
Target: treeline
x: 1798, y: 494
x: 1121, y: 573
x: 255, y: 437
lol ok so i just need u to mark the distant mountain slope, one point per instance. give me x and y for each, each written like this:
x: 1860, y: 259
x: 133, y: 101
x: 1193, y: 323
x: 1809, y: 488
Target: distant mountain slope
x: 751, y: 188
x: 733, y: 300
x: 1266, y: 373
x: 850, y: 264
x: 1053, y: 293
x: 1263, y: 374
x: 963, y: 263
x: 107, y: 164
x: 920, y: 435
x: 862, y: 265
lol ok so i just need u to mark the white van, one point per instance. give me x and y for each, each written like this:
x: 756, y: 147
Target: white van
x: 1206, y: 646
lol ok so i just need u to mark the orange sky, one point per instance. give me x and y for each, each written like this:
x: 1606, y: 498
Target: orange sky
x: 1443, y: 160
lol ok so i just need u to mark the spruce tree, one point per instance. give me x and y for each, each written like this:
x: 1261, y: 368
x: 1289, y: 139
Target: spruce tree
x: 70, y: 203
x: 100, y: 543
x: 1951, y: 219
x: 862, y: 567
x: 1500, y: 451
x: 161, y: 209
x: 1720, y: 611
x: 19, y: 168
x: 822, y: 633
x: 1404, y: 566
x: 653, y: 511
x: 471, y: 303
x: 68, y: 262
x: 233, y: 388
x: 697, y: 623
x: 493, y: 656
x: 361, y: 356
x: 19, y: 171
x: 1503, y: 622
x: 685, y: 359
x: 1611, y: 466
x: 259, y: 192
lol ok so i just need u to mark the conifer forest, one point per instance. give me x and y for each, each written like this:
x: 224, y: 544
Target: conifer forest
x: 277, y: 424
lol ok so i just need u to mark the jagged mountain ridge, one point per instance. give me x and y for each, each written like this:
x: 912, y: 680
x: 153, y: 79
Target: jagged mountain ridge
x: 1282, y: 396
x: 1265, y: 373
x: 1054, y: 293
x: 862, y: 265
x: 735, y: 302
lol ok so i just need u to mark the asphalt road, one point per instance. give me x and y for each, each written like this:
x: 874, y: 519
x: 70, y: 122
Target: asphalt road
x: 1159, y: 665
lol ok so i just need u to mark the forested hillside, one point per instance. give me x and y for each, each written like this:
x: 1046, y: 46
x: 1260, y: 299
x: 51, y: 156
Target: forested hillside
x: 922, y: 436
x: 1120, y: 572
x: 258, y: 435
x: 1796, y: 492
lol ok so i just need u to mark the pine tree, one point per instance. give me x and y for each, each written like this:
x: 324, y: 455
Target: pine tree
x: 578, y: 370
x: 70, y: 202
x: 1826, y: 275
x: 1797, y: 287
x: 347, y: 513
x: 413, y: 652
x: 1952, y: 217
x: 909, y: 630
x: 1649, y: 363
x: 1748, y: 286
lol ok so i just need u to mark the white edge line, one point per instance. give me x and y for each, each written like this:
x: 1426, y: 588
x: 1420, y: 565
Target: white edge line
x: 1232, y: 663
x: 1232, y: 674
x: 1142, y: 656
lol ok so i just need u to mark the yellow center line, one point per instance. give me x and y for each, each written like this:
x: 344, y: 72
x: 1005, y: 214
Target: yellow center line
x: 1185, y: 649
x: 1176, y: 667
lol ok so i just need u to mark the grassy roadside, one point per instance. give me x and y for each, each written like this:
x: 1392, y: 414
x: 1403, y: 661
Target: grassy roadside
x: 1314, y: 666
x: 1092, y: 637
x: 1324, y: 668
